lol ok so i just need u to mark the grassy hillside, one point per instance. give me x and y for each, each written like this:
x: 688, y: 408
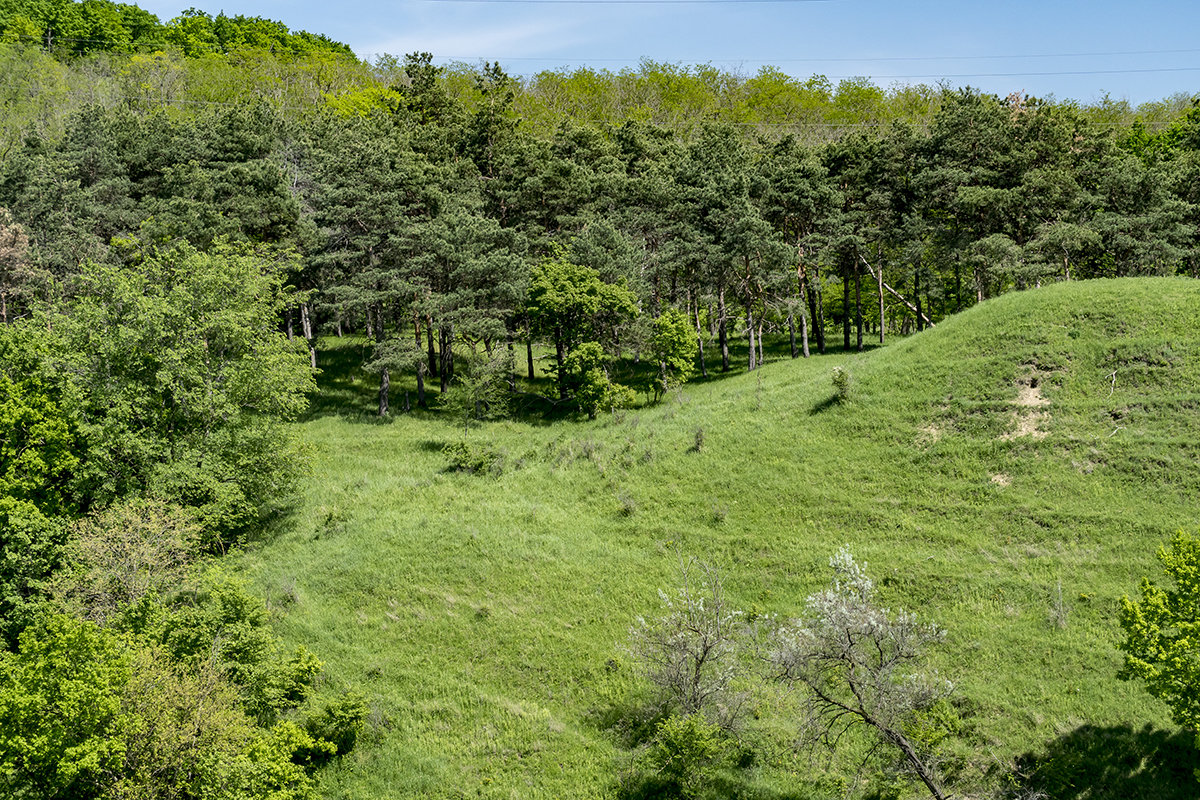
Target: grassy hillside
x: 1008, y: 474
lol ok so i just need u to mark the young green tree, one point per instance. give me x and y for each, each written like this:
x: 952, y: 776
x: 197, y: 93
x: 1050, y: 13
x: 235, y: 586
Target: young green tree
x: 1162, y: 632
x: 60, y: 710
x: 570, y: 304
x: 674, y: 349
x: 587, y: 380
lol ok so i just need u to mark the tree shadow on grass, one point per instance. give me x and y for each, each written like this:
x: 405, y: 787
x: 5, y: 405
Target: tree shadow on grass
x: 1114, y: 763
x: 829, y: 402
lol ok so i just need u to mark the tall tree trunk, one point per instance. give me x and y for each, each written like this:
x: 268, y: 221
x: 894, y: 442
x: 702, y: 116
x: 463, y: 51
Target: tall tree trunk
x: 917, y: 300
x: 420, y: 383
x: 432, y: 351
x: 307, y: 328
x: 560, y: 358
x: 722, y: 333
x: 760, y: 342
x: 816, y: 299
x: 958, y: 304
x: 802, y: 275
x: 700, y: 342
x: 858, y: 317
x: 792, y: 331
x: 845, y: 309
x: 750, y: 335
x: 512, y: 363
x: 880, y: 301
x: 385, y: 376
x: 446, y: 362
x: 529, y: 354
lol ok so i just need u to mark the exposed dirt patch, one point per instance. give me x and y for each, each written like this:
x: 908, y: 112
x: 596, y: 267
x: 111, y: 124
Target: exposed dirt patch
x: 928, y: 435
x: 1029, y: 393
x: 1027, y: 419
x: 1000, y: 479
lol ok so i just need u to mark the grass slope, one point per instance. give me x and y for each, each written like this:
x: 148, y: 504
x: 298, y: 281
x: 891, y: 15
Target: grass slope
x: 1009, y: 474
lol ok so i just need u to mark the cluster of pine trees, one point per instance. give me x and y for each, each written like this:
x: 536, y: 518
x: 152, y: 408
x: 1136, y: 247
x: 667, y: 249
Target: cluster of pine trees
x: 186, y: 207
x: 419, y: 202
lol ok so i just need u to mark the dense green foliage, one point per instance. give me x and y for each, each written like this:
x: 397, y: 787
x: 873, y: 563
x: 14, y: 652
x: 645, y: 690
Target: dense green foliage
x: 198, y: 216
x: 1161, y: 633
x: 78, y: 28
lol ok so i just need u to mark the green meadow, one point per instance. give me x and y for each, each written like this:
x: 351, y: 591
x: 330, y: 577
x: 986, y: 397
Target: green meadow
x: 1008, y: 475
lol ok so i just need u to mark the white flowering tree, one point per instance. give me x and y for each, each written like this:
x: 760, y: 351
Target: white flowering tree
x: 858, y: 665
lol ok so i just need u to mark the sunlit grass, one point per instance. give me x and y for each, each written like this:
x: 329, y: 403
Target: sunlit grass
x: 486, y: 617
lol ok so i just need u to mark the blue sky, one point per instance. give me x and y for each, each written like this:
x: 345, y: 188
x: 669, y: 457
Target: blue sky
x: 1077, y: 50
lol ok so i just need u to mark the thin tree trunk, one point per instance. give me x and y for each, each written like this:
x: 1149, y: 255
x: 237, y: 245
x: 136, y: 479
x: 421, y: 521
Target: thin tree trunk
x: 722, y: 337
x: 881, y: 302
x: 560, y: 357
x: 700, y: 342
x: 917, y: 297
x: 512, y: 363
x: 307, y: 328
x: 385, y: 376
x: 858, y: 317
x: 802, y: 275
x: 819, y: 314
x: 915, y: 309
x: 446, y: 362
x: 433, y: 359
x: 750, y: 334
x: 529, y: 354
x: 792, y: 331
x: 845, y: 309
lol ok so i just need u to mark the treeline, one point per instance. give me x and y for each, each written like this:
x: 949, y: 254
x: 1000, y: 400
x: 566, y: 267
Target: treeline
x: 423, y: 212
x: 67, y: 29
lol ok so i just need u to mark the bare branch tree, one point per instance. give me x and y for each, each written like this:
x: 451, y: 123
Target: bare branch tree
x: 693, y: 652
x: 857, y: 664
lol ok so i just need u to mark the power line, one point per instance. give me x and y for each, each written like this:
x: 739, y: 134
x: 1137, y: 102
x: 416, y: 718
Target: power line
x: 930, y: 75
x: 626, y: 2
x: 866, y: 59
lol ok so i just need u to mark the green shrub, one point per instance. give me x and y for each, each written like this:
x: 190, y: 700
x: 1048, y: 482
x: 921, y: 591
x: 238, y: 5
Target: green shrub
x: 843, y: 384
x: 687, y: 752
x: 339, y: 722
x: 473, y: 458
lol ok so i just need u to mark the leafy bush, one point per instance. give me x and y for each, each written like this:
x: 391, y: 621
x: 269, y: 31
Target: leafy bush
x: 473, y: 458
x: 60, y: 710
x: 223, y: 623
x: 39, y: 450
x: 686, y: 752
x: 1162, y: 633
x: 177, y: 378
x: 675, y: 349
x: 692, y: 653
x: 589, y: 382
x: 843, y: 385
x: 339, y: 722
x: 118, y: 556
